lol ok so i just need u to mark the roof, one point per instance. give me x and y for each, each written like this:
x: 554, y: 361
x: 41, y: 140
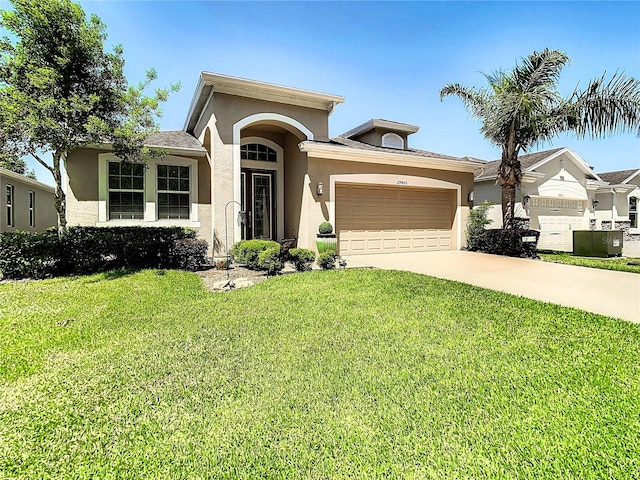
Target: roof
x: 619, y: 176
x: 215, y: 82
x: 381, y: 123
x: 21, y: 178
x: 347, y: 142
x: 174, y: 139
x: 490, y: 169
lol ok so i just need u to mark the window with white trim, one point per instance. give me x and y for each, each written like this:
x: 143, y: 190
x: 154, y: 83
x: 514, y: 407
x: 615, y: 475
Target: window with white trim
x: 633, y: 212
x: 126, y: 191
x: 393, y: 140
x: 173, y: 192
x: 10, y: 203
x: 32, y: 208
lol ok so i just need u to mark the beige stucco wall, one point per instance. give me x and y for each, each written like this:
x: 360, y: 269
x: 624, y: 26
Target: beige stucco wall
x: 83, y: 193
x: 45, y: 213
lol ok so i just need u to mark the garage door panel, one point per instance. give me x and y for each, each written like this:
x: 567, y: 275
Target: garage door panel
x: 372, y: 219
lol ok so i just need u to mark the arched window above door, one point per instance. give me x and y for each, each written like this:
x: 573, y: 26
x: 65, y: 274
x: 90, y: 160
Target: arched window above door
x: 258, y: 152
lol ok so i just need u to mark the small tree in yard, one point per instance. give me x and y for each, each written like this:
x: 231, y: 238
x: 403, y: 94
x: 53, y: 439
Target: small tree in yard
x: 476, y: 224
x: 522, y: 107
x: 60, y: 90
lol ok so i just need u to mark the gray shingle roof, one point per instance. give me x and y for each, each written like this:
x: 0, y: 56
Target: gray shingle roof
x: 174, y: 139
x: 617, y: 177
x: 490, y: 169
x: 347, y: 142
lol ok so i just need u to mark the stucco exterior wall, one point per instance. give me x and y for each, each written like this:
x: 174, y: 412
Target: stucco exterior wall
x: 45, y: 213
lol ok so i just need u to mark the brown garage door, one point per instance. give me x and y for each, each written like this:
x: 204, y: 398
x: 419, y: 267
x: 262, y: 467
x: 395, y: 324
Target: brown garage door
x: 380, y: 219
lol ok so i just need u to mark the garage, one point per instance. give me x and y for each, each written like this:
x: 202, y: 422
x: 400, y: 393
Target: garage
x: 557, y: 218
x: 390, y: 219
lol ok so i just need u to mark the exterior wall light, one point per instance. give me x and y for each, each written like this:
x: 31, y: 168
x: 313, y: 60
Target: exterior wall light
x: 470, y: 197
x: 320, y: 189
x: 594, y: 204
x: 525, y: 200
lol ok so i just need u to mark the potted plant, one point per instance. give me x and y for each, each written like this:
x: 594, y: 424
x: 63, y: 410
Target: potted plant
x: 326, y: 239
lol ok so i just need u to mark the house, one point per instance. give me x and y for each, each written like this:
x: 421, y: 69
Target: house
x: 560, y: 193
x: 26, y: 204
x: 617, y: 203
x: 254, y: 160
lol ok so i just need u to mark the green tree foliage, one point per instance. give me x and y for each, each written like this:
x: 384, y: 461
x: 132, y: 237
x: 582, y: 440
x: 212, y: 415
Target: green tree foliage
x: 60, y: 90
x: 476, y: 224
x: 522, y: 107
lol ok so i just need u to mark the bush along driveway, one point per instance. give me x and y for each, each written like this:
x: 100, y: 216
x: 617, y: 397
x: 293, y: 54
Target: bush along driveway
x: 342, y: 374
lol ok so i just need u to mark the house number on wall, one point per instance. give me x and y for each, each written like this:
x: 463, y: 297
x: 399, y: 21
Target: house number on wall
x: 402, y: 182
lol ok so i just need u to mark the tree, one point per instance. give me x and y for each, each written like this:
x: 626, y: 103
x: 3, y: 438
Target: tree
x: 60, y: 90
x: 522, y: 107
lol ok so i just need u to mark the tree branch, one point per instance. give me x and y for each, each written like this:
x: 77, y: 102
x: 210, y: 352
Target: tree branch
x: 42, y: 162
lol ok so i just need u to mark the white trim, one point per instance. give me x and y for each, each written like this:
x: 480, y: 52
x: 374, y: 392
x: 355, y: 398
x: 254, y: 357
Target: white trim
x: 399, y: 181
x: 150, y: 192
x: 577, y: 160
x: 349, y: 154
x: 626, y: 180
x: 237, y: 140
x: 390, y: 135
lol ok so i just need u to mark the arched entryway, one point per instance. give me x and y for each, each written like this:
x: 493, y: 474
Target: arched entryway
x: 264, y: 144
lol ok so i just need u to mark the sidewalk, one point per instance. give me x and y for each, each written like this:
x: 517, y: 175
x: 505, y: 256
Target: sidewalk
x: 615, y: 294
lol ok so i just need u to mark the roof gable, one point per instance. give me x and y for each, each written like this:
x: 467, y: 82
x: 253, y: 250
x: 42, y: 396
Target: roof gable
x: 619, y: 176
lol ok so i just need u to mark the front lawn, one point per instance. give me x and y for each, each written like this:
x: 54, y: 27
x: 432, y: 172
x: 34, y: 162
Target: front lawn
x: 621, y: 264
x: 343, y: 374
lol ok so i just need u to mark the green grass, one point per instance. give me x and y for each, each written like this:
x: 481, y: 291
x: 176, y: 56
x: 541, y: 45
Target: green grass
x: 620, y: 264
x: 343, y: 374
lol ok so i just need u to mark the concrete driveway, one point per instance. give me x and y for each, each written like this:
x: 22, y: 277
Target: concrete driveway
x: 616, y: 294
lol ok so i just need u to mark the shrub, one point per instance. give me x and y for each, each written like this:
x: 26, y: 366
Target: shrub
x: 29, y: 255
x: 509, y: 242
x: 302, y: 258
x: 476, y: 224
x: 189, y: 254
x: 325, y: 228
x: 246, y: 252
x: 327, y: 260
x: 270, y: 261
x: 85, y: 250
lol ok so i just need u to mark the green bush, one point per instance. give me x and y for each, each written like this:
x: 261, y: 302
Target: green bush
x: 29, y: 255
x: 325, y: 228
x: 86, y: 250
x: 246, y: 252
x: 327, y: 260
x: 476, y: 224
x: 302, y: 258
x: 509, y: 242
x: 270, y: 261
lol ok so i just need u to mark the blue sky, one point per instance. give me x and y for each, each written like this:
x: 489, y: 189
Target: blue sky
x: 388, y: 59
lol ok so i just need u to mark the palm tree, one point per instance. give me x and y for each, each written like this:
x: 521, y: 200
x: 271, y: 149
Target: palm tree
x: 522, y: 107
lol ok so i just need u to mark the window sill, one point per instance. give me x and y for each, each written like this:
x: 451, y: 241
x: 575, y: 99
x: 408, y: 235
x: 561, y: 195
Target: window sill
x: 634, y: 231
x: 143, y: 223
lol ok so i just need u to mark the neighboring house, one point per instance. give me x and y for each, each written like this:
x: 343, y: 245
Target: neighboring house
x: 26, y: 204
x: 561, y: 193
x: 617, y: 207
x: 265, y: 150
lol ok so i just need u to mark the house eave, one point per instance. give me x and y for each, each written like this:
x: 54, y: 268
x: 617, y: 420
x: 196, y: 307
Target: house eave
x: 383, y: 124
x: 29, y: 181
x: 170, y: 150
x: 349, y: 154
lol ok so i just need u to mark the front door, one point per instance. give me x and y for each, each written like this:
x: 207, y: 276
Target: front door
x: 258, y: 202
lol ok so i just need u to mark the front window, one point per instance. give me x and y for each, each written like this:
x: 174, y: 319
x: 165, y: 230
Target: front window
x: 126, y: 191
x: 173, y: 192
x: 9, y: 194
x: 633, y: 211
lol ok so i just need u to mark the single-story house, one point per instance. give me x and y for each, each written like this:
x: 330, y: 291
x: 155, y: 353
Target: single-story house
x: 264, y: 150
x: 560, y: 193
x: 26, y: 204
